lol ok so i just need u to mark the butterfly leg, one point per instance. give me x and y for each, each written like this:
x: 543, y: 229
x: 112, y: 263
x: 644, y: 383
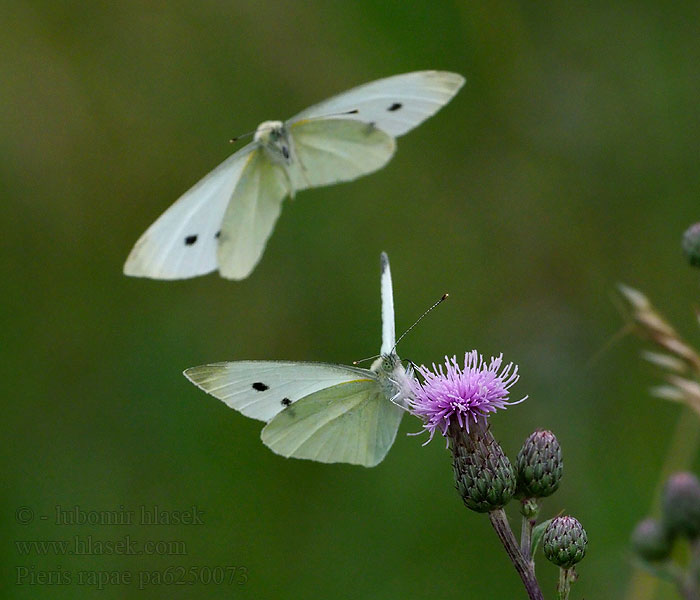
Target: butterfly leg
x: 303, y: 171
x: 292, y: 189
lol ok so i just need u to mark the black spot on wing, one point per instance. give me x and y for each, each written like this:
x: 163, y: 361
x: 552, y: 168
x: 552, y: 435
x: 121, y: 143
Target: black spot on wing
x: 259, y: 386
x: 286, y: 401
x: 217, y: 235
x: 190, y: 239
x: 395, y: 106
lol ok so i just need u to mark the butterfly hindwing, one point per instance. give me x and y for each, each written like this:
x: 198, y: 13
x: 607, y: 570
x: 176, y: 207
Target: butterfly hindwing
x: 333, y: 150
x: 350, y: 422
x: 394, y: 104
x: 251, y: 215
x: 261, y: 389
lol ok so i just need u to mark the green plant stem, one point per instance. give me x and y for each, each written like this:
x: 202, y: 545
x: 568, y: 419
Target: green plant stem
x: 522, y: 565
x: 687, y: 585
x: 526, y: 538
x: 564, y: 586
x: 690, y: 584
x: 529, y: 509
x: 682, y: 451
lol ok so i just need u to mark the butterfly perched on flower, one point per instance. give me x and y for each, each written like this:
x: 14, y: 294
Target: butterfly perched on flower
x: 323, y: 412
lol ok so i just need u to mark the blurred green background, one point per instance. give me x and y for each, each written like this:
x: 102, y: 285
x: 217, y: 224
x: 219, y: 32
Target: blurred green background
x: 567, y: 163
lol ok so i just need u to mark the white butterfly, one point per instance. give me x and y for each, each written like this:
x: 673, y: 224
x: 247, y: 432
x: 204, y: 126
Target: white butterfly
x: 225, y: 219
x: 322, y: 412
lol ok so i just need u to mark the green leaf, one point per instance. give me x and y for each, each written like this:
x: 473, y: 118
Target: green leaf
x: 537, y: 533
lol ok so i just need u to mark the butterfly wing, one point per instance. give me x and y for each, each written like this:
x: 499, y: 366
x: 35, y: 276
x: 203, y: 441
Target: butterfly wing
x: 388, y: 330
x: 395, y: 104
x: 351, y: 422
x: 261, y: 389
x: 332, y: 150
x: 251, y: 215
x: 183, y: 241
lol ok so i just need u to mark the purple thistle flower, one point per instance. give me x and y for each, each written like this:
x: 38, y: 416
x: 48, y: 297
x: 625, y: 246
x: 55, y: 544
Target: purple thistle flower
x: 452, y: 395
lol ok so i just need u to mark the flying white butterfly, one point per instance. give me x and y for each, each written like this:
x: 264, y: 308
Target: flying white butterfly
x: 323, y: 412
x: 225, y: 219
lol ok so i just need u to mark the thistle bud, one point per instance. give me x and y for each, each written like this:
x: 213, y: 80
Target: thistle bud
x: 539, y: 466
x: 691, y: 244
x: 681, y: 504
x: 483, y: 474
x: 651, y: 540
x: 564, y: 542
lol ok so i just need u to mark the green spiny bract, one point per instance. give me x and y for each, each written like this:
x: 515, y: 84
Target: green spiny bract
x: 681, y: 504
x: 483, y: 474
x: 691, y: 244
x: 651, y: 540
x: 539, y: 465
x: 564, y: 542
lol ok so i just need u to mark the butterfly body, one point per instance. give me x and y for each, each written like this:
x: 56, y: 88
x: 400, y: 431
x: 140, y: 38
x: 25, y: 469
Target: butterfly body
x: 224, y: 221
x: 392, y: 377
x: 319, y: 411
x: 274, y: 138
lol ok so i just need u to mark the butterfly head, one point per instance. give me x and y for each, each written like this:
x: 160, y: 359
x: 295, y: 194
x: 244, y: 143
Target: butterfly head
x: 274, y: 138
x: 386, y: 363
x: 393, y: 378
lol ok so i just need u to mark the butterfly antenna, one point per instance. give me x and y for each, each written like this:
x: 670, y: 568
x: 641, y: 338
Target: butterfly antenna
x: 354, y: 111
x: 357, y: 362
x: 233, y: 140
x: 403, y: 335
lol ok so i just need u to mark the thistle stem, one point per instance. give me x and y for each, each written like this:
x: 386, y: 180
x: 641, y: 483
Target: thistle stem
x: 682, y: 451
x: 526, y: 538
x: 566, y: 576
x: 688, y: 585
x: 529, y: 509
x: 522, y: 565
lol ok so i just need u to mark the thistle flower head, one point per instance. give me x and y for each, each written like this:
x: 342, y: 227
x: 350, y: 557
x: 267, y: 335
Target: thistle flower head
x: 681, y: 504
x: 460, y: 396
x: 484, y: 477
x: 539, y: 466
x: 691, y: 244
x: 564, y: 542
x: 651, y: 540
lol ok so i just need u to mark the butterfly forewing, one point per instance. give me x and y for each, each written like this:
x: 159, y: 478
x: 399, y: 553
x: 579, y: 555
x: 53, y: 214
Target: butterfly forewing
x: 395, y: 104
x: 333, y: 150
x: 183, y: 241
x: 261, y: 389
x: 388, y: 327
x: 351, y: 422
